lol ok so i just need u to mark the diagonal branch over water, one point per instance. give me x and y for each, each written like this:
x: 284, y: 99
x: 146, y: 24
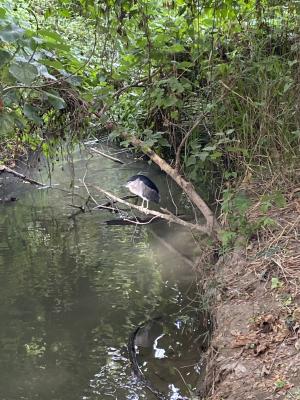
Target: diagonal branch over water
x: 167, y: 215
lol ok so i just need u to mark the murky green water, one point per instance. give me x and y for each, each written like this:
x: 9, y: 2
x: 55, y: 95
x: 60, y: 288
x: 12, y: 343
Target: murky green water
x: 73, y: 289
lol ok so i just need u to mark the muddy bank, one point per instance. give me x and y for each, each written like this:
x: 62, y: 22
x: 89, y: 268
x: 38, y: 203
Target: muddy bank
x: 255, y: 349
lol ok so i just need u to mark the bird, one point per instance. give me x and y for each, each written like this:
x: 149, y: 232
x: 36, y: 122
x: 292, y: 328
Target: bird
x: 144, y: 188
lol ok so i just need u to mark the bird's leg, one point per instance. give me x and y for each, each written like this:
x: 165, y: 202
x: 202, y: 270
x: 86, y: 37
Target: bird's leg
x: 142, y: 203
x: 147, y: 204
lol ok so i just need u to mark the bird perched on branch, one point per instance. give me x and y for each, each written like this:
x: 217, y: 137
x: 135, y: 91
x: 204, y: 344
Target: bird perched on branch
x: 144, y: 188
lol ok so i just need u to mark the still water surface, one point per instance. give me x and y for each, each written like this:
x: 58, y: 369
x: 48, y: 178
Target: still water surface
x: 73, y: 289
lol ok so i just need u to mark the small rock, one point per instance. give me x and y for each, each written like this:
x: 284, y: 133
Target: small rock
x: 297, y: 345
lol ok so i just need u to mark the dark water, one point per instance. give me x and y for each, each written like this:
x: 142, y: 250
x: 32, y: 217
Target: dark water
x: 73, y: 289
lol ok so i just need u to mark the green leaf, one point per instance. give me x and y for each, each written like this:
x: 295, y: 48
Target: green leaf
x: 267, y: 221
x: 43, y: 71
x: 56, y: 101
x: 6, y: 123
x: 125, y: 143
x: 234, y: 149
x: 2, y: 12
x: 227, y: 237
x: 185, y: 65
x: 11, y: 97
x: 23, y: 72
x: 265, y: 206
x: 175, y: 85
x: 45, y: 33
x: 276, y: 283
x: 164, y: 142
x: 287, y: 300
x: 176, y: 48
x: 191, y: 161
x: 280, y: 384
x: 72, y: 79
x: 56, y: 46
x: 114, y: 135
x: 169, y: 101
x: 296, y: 134
x: 149, y: 142
x: 147, y: 132
x: 174, y: 115
x: 242, y: 203
x: 4, y: 57
x: 11, y: 33
x: 64, y: 13
x: 48, y: 13
x: 31, y: 113
x: 279, y: 200
x: 203, y: 155
x: 215, y: 155
x: 287, y: 86
x: 209, y: 148
x: 52, y: 63
x: 229, y: 174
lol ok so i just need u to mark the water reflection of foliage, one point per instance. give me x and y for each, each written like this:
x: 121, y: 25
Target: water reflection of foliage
x: 66, y: 292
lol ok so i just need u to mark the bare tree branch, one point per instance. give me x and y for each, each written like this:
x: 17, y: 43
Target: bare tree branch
x: 167, y: 217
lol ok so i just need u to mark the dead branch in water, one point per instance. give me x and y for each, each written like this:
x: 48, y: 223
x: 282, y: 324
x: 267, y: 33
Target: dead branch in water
x: 3, y: 168
x: 107, y: 155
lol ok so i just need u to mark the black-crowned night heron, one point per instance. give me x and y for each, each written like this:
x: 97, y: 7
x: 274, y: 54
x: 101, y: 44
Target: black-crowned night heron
x: 144, y: 188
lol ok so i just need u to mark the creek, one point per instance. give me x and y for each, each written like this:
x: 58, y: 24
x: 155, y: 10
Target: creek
x: 73, y: 289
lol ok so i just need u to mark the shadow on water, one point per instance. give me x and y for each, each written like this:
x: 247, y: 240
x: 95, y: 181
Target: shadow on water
x: 72, y: 290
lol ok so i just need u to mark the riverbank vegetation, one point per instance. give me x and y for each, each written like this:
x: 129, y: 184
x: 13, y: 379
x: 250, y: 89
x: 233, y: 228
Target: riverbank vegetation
x: 212, y: 87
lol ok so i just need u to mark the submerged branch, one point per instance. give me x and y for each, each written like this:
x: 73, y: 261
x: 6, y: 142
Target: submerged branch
x: 3, y: 168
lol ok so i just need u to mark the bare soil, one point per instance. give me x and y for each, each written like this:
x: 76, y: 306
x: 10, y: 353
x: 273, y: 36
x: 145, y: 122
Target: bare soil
x: 255, y: 349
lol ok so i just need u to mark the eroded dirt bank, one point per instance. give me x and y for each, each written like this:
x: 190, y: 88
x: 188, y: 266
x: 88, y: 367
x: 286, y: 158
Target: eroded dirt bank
x: 255, y: 349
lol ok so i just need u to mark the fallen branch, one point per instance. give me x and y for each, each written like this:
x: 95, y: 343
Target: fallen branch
x: 187, y: 187
x: 166, y: 216
x: 3, y: 168
x: 107, y: 155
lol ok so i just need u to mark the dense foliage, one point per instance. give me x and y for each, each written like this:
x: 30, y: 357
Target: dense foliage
x: 224, y: 73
